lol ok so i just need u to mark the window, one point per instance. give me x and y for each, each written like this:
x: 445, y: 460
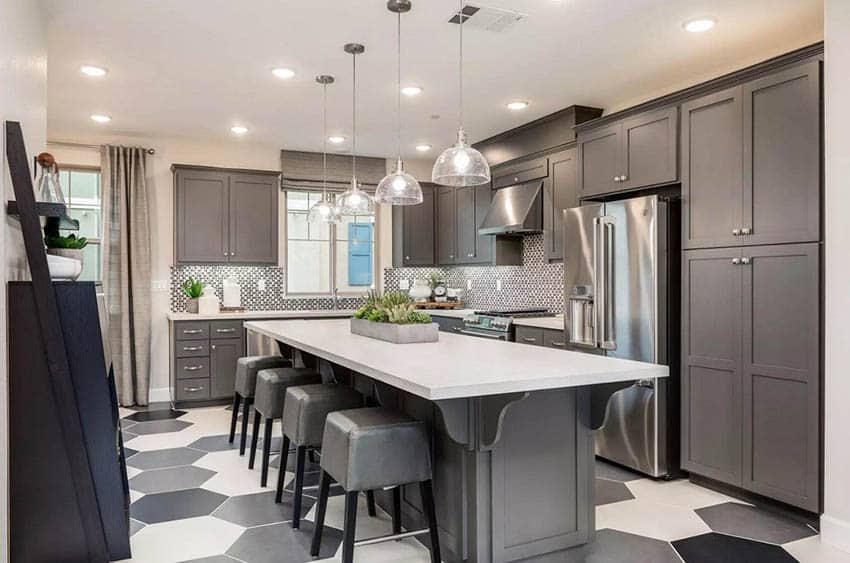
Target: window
x: 81, y: 187
x: 322, y: 257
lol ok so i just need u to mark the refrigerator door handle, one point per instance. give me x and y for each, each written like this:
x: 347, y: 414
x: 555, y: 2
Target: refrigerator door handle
x: 604, y: 268
x: 598, y: 295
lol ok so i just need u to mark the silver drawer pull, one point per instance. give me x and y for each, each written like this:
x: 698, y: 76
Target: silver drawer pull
x: 193, y: 389
x: 457, y: 329
x: 528, y: 339
x: 225, y: 330
x: 192, y: 368
x: 192, y: 348
x: 194, y: 331
x: 558, y: 344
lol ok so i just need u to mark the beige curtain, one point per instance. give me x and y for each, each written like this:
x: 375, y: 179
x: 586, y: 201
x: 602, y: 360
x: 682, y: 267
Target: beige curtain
x: 126, y: 269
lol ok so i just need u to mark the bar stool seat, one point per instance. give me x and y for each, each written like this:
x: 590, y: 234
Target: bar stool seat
x: 247, y: 369
x: 304, y: 412
x: 268, y: 403
x: 368, y: 449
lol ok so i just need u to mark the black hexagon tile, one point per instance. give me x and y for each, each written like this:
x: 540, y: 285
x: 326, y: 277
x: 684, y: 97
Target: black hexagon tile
x: 267, y: 544
x: 260, y: 509
x: 170, y: 457
x: 607, y: 492
x: 720, y: 548
x: 176, y: 505
x: 160, y: 427
x: 154, y: 415
x: 170, y: 479
x: 755, y: 523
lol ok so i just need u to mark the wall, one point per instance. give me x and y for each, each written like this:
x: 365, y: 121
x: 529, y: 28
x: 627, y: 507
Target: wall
x: 23, y: 97
x: 835, y: 523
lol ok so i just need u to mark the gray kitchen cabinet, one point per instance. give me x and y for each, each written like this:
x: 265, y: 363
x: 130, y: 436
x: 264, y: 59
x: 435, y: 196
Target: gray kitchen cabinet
x: 529, y: 335
x: 225, y: 215
x: 751, y: 161
x: 485, y: 245
x: 520, y: 172
x: 554, y: 339
x: 224, y: 353
x: 560, y: 192
x: 460, y: 212
x: 751, y: 369
x: 446, y: 226
x: 448, y: 324
x: 599, y: 160
x: 413, y: 231
x: 204, y: 356
x: 467, y: 229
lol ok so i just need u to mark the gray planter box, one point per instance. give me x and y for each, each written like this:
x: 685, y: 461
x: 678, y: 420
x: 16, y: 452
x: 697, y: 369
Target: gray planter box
x: 397, y: 334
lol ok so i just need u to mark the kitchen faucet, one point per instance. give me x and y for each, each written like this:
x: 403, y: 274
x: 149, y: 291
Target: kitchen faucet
x: 336, y: 298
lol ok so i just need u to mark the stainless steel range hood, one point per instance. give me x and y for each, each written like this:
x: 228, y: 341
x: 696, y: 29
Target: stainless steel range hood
x: 515, y: 210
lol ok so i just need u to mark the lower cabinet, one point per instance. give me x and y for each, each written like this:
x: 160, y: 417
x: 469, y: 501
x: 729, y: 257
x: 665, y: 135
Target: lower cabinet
x: 204, y: 356
x: 448, y: 324
x: 751, y: 369
x: 536, y: 336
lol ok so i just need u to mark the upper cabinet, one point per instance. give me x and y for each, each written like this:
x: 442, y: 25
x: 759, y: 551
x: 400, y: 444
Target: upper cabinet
x: 751, y: 162
x: 225, y: 216
x: 413, y: 231
x: 636, y: 152
x: 460, y: 212
x: 560, y: 192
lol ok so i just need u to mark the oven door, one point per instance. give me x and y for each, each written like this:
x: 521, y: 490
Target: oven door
x: 479, y: 333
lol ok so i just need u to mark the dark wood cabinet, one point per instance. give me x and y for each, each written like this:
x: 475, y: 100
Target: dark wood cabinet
x: 560, y: 192
x: 467, y: 228
x: 599, y: 160
x: 414, y: 231
x: 520, y: 172
x: 446, y: 226
x: 751, y: 161
x: 460, y: 212
x: 204, y: 356
x: 750, y: 369
x: 225, y: 216
x: 224, y: 353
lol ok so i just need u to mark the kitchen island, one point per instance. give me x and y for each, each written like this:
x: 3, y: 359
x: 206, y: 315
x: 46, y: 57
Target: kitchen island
x: 512, y: 443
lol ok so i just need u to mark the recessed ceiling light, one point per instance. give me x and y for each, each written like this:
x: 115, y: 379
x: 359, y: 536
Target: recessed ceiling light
x: 239, y: 130
x: 283, y: 73
x: 336, y: 139
x: 91, y: 70
x: 100, y: 118
x: 517, y: 105
x: 411, y: 90
x: 423, y: 148
x: 698, y: 25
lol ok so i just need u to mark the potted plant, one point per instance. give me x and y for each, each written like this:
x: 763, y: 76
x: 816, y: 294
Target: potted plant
x: 393, y: 318
x: 67, y: 247
x: 193, y: 289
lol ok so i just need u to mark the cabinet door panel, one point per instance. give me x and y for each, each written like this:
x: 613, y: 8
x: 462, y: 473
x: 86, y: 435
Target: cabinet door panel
x: 417, y: 230
x: 712, y: 181
x: 782, y: 151
x: 711, y: 364
x: 253, y: 219
x: 467, y: 230
x: 224, y: 354
x: 650, y: 149
x: 560, y: 193
x: 599, y: 160
x: 201, y: 216
x: 446, y: 225
x: 781, y: 366
x: 484, y: 244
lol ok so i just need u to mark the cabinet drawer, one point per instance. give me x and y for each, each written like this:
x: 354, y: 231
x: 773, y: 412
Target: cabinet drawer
x: 192, y: 389
x: 529, y: 335
x: 555, y: 339
x: 192, y: 331
x: 521, y: 172
x: 186, y: 368
x: 191, y: 348
x: 226, y: 329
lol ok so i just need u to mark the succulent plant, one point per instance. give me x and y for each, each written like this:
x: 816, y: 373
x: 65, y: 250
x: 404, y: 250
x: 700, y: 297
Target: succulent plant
x: 393, y: 307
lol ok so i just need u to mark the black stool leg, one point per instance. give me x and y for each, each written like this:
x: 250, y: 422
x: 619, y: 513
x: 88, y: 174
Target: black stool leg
x: 254, y: 438
x: 321, y: 508
x: 349, y: 527
x: 300, y: 454
x: 267, y: 450
x: 311, y: 455
x: 370, y: 503
x: 397, y: 510
x: 246, y: 408
x: 427, y: 494
x: 236, y: 400
x: 281, y: 471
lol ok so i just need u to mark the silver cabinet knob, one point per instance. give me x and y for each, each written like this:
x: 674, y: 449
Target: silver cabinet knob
x: 516, y: 178
x: 745, y: 260
x: 736, y: 232
x: 624, y: 178
x: 616, y: 178
x: 470, y: 255
x: 736, y: 261
x: 407, y: 257
x: 746, y: 231
x: 212, y: 347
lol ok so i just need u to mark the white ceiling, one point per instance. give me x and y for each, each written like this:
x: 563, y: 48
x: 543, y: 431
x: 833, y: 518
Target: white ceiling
x: 194, y: 68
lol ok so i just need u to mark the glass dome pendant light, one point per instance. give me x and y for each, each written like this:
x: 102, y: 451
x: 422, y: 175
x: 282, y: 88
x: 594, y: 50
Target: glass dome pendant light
x: 399, y: 187
x: 461, y: 165
x: 324, y: 211
x: 355, y: 201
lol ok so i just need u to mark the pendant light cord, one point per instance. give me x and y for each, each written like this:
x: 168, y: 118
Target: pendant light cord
x: 460, y: 66
x: 398, y: 89
x: 324, y: 141
x: 354, y: 118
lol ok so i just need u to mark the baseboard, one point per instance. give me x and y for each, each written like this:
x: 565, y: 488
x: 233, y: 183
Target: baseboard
x: 159, y: 395
x: 835, y: 532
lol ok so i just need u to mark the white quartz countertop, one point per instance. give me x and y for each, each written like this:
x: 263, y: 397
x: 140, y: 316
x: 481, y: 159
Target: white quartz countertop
x: 453, y: 313
x: 319, y: 313
x: 457, y: 366
x: 551, y: 323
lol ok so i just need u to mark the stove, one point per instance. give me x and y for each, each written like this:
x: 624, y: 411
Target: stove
x: 498, y: 324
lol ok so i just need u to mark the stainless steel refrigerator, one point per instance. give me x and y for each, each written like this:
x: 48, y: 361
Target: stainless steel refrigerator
x: 621, y: 299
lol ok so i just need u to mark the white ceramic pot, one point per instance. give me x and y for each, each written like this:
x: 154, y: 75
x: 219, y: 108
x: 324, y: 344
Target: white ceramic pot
x: 421, y: 291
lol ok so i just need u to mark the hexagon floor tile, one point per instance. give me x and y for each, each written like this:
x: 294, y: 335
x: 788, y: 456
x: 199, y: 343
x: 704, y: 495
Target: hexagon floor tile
x: 607, y: 492
x: 175, y: 505
x: 404, y: 551
x: 754, y: 523
x: 232, y: 474
x: 259, y: 509
x: 169, y: 457
x: 216, y: 443
x: 159, y: 427
x: 152, y: 415
x: 649, y: 519
x: 268, y: 544
x: 680, y: 493
x: 213, y: 559
x: 613, y: 545
x: 170, y: 479
x: 715, y: 548
x: 607, y: 470
x: 367, y: 526
x: 183, y: 540
x: 813, y: 550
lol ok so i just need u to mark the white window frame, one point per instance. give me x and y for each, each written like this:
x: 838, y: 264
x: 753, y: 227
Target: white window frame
x: 66, y: 190
x: 376, y: 253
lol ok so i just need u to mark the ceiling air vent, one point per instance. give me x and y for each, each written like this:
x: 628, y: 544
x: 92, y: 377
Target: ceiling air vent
x: 486, y: 18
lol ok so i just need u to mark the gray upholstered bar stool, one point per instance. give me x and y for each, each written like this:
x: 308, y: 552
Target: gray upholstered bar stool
x: 243, y: 392
x: 304, y: 412
x: 268, y: 404
x: 369, y: 449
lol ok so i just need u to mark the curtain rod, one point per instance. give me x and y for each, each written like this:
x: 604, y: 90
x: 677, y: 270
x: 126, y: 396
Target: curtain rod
x: 86, y: 146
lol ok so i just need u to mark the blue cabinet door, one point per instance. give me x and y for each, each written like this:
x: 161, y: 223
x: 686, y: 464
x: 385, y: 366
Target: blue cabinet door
x: 360, y: 254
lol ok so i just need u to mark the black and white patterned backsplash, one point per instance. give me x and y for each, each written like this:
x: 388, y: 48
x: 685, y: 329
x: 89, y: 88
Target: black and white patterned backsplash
x: 536, y: 283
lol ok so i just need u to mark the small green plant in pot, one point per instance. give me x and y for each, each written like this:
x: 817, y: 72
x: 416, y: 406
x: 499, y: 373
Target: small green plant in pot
x: 66, y: 246
x: 193, y: 289
x: 394, y: 318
